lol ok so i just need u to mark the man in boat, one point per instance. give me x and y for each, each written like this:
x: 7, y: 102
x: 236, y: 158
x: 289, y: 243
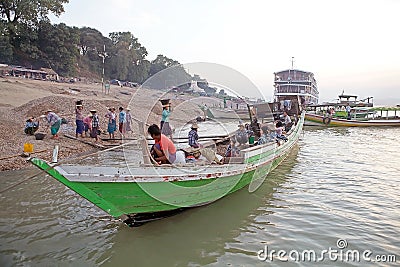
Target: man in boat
x: 163, y: 151
x: 348, y: 110
x: 193, y: 137
x: 241, y: 135
x: 287, y: 121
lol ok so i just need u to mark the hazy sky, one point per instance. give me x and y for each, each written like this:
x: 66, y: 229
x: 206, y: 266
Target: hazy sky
x: 351, y: 45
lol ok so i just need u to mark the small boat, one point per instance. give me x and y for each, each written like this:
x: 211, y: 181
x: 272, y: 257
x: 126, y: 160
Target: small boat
x: 133, y: 192
x: 362, y: 114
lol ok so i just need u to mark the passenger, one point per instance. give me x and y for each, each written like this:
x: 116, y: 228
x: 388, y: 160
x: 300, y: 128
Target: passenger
x: 279, y: 131
x: 287, y: 121
x: 242, y: 136
x: 163, y: 151
x: 193, y: 136
x: 266, y: 136
x: 31, y: 126
x: 255, y: 128
x: 54, y: 121
x: 348, y: 110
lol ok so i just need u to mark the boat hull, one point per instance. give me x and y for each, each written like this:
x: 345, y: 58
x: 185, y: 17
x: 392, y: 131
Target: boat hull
x: 335, y: 122
x: 134, y: 194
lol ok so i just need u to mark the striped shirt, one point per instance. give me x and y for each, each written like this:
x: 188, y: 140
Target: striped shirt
x: 52, y: 118
x: 193, y: 137
x: 95, y: 121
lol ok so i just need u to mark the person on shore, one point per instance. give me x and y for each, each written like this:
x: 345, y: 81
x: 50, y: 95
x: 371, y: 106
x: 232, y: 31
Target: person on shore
x: 112, y: 123
x: 54, y: 121
x: 193, y: 137
x: 128, y: 127
x: 79, y: 120
x: 122, y: 120
x: 164, y: 124
x: 95, y: 125
x: 87, y: 124
x: 31, y: 126
x: 163, y: 151
x: 241, y: 135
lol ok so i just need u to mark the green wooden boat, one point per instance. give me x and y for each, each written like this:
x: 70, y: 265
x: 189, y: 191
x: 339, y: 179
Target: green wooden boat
x: 129, y: 190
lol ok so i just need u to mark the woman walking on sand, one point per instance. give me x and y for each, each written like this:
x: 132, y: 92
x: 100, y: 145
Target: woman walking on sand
x: 112, y: 124
x: 79, y: 120
x: 122, y: 120
x: 128, y: 127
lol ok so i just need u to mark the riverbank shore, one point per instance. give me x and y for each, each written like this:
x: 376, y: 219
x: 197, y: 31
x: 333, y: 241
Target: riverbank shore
x: 22, y: 98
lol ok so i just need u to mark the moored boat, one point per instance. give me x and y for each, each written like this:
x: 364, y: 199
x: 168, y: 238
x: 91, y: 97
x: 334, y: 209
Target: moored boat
x: 133, y: 190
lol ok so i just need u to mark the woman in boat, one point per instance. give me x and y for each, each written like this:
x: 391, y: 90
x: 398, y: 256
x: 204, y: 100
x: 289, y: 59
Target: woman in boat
x: 241, y: 135
x: 279, y: 131
x: 163, y: 151
x: 266, y: 136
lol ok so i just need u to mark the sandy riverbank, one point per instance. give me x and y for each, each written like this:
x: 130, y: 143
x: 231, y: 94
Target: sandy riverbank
x: 21, y: 98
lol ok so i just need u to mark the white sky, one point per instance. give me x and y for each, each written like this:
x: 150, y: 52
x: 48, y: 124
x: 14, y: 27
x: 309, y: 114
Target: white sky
x: 350, y: 45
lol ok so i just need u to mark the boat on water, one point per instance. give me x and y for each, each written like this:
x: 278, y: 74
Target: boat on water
x: 130, y: 185
x: 348, y: 111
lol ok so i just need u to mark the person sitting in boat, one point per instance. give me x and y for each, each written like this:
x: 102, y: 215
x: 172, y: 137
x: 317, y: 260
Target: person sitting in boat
x: 279, y: 131
x: 241, y: 135
x: 266, y: 136
x: 255, y: 128
x: 31, y: 126
x: 163, y: 151
x: 287, y: 121
x: 232, y: 150
x: 193, y: 136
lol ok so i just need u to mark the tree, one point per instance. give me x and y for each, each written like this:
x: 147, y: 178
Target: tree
x: 6, y: 52
x: 58, y: 44
x: 29, y: 11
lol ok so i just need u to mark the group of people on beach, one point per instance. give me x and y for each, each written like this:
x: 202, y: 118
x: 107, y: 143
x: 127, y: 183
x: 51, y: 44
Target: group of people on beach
x: 91, y: 122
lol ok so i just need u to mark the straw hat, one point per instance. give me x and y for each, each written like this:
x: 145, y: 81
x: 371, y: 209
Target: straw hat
x: 49, y: 110
x: 128, y: 109
x: 194, y: 126
x: 93, y: 111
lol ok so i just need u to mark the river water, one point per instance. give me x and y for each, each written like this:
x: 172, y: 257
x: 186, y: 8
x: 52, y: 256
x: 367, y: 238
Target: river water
x: 338, y: 190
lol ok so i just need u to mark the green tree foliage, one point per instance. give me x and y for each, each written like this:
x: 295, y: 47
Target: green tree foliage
x: 58, y: 45
x: 6, y: 49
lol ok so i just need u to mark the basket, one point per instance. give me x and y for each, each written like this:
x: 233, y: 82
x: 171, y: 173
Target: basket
x: 39, y: 136
x: 164, y: 101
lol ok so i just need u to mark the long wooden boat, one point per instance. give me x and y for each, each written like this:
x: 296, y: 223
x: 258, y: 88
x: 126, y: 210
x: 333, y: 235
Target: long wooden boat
x: 127, y: 191
x: 321, y: 120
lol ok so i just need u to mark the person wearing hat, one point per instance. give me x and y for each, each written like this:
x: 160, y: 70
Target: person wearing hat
x: 112, y: 123
x: 31, y: 126
x: 95, y: 124
x: 54, y: 121
x: 164, y: 124
x: 80, y: 127
x: 128, y: 127
x: 193, y: 137
x: 241, y: 135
